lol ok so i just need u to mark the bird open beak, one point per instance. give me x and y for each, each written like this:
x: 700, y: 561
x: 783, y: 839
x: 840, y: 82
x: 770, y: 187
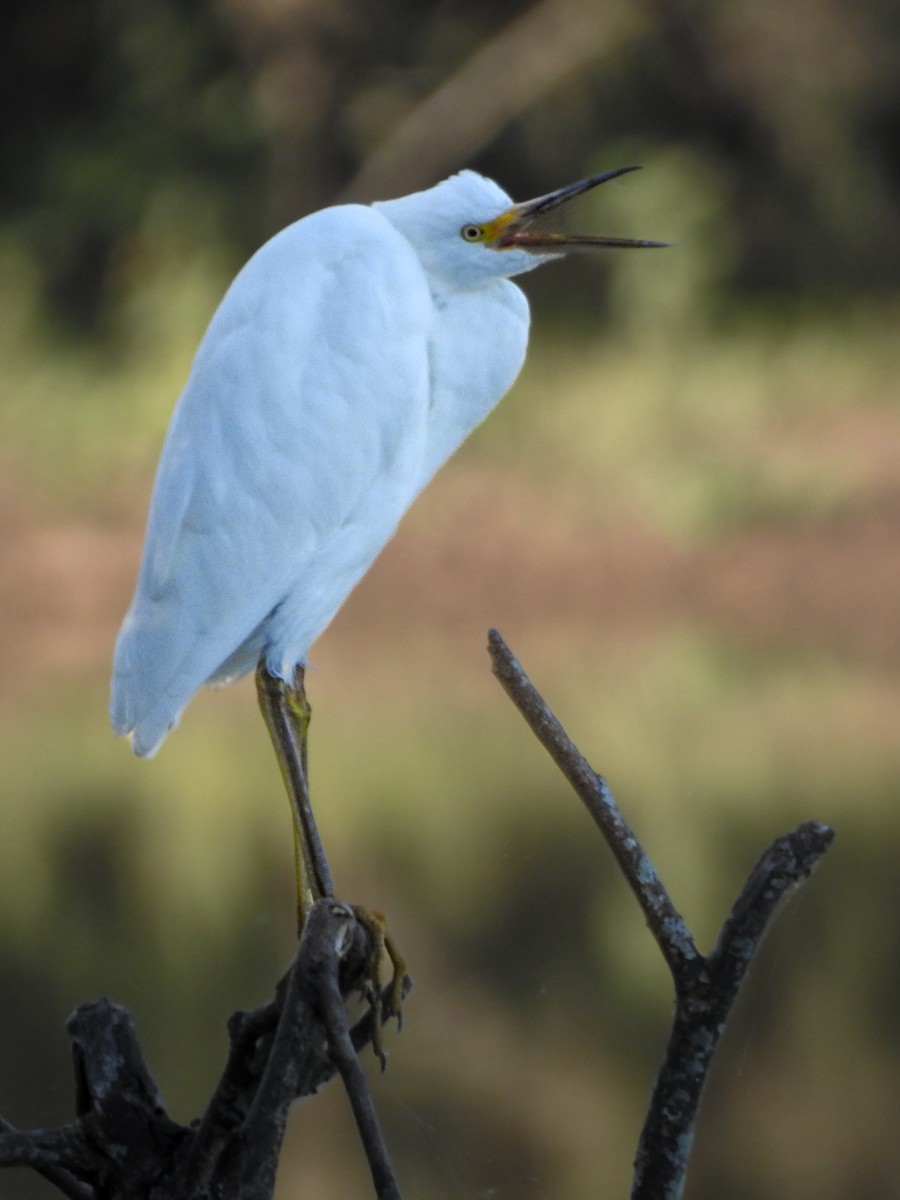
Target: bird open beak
x: 516, y: 226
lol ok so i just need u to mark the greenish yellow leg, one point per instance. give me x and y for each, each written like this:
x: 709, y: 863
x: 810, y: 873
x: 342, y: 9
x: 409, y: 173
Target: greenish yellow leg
x: 287, y: 712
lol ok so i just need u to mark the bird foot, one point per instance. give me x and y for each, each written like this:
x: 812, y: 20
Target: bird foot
x: 384, y: 1003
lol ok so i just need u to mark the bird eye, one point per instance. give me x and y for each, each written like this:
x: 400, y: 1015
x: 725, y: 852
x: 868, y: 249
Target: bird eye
x: 471, y: 233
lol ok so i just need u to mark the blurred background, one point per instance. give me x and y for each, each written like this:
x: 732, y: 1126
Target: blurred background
x: 685, y: 520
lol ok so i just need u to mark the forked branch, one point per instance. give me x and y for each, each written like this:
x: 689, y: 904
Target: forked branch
x: 705, y: 986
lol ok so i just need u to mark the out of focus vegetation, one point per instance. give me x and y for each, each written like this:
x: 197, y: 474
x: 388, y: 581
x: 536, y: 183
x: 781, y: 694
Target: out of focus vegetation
x: 686, y: 520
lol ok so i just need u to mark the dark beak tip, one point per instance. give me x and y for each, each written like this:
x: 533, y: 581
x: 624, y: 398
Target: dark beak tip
x: 614, y: 173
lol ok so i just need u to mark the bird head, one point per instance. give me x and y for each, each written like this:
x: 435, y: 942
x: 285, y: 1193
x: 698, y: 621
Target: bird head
x: 521, y: 225
x: 467, y: 229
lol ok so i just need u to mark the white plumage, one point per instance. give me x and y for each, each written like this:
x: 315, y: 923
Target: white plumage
x: 349, y: 358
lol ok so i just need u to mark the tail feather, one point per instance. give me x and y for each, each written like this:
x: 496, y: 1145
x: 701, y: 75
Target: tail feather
x: 149, y: 691
x: 160, y: 662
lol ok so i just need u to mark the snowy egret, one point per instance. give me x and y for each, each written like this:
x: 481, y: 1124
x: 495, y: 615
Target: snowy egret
x: 348, y: 360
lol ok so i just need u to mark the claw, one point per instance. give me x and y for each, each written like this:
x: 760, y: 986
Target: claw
x: 395, y: 998
x: 383, y: 945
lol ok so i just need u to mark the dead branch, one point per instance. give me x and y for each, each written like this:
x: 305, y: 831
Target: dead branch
x: 705, y: 986
x: 123, y: 1144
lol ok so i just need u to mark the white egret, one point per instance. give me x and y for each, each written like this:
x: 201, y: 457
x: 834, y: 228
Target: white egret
x: 348, y: 360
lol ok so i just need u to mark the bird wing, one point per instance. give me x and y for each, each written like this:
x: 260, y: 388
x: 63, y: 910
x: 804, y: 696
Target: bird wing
x: 308, y: 392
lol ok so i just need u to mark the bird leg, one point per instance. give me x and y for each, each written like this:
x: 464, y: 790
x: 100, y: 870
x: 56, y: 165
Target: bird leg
x: 286, y: 712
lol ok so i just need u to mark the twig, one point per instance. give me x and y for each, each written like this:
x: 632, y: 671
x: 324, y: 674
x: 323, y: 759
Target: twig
x: 705, y: 987
x: 334, y: 1017
x: 263, y: 1128
x: 313, y: 986
x: 36, y: 1149
x: 703, y: 1001
x: 666, y: 923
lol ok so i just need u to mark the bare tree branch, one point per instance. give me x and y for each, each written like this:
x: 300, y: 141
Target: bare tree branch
x: 123, y: 1144
x: 344, y: 1053
x: 38, y: 1150
x: 665, y: 922
x: 705, y: 987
